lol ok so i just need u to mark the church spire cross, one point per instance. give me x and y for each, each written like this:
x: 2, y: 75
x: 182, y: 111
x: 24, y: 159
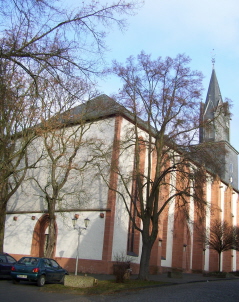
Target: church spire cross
x: 213, y: 58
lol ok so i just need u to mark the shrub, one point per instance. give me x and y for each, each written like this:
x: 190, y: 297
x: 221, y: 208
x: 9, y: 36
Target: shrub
x: 121, y: 267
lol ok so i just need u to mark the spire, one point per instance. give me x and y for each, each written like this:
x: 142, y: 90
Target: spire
x: 213, y: 58
x: 215, y: 130
x: 214, y: 113
x: 214, y: 97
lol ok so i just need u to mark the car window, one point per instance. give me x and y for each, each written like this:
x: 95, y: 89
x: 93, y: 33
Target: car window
x: 47, y: 263
x: 10, y: 259
x: 54, y: 263
x: 24, y: 260
x: 2, y: 258
x: 34, y: 261
x: 28, y: 261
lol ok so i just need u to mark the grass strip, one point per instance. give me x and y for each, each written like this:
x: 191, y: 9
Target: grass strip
x: 104, y: 287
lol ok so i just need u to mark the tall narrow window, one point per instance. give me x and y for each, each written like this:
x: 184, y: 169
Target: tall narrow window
x: 231, y: 172
x: 133, y: 233
x: 46, y: 239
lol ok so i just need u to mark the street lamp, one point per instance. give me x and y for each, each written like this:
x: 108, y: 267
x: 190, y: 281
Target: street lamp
x: 79, y: 229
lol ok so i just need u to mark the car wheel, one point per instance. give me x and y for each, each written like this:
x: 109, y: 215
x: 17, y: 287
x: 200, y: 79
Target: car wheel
x: 15, y: 281
x: 62, y: 279
x: 41, y: 280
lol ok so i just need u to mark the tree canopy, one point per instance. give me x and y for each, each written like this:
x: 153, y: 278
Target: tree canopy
x: 44, y: 44
x: 57, y: 36
x: 163, y: 96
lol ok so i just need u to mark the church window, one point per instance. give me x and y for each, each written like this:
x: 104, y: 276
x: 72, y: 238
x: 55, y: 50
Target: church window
x: 230, y: 173
x: 46, y: 239
x: 133, y: 233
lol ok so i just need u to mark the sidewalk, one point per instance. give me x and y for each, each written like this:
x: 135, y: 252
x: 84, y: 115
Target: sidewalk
x: 186, y: 278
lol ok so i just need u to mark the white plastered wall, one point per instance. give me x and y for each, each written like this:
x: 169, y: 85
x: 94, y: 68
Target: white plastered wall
x: 223, y: 188
x: 234, y: 223
x: 18, y: 234
x: 91, y: 239
x: 90, y: 194
x: 190, y: 227
x: 170, y: 227
x: 121, y: 225
x: 208, y: 221
x: 121, y: 222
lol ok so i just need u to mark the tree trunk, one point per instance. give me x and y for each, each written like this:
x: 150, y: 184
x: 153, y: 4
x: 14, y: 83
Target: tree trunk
x: 144, y: 261
x: 149, y: 235
x: 3, y: 206
x: 51, y: 235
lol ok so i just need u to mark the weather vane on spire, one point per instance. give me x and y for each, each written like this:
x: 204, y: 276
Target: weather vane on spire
x: 213, y: 58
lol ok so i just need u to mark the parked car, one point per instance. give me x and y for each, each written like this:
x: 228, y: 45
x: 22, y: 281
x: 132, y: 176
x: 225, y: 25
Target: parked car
x: 40, y: 270
x: 6, y: 262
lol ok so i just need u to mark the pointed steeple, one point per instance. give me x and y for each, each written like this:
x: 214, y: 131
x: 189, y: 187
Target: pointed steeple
x: 214, y: 97
x: 214, y: 114
x: 215, y: 130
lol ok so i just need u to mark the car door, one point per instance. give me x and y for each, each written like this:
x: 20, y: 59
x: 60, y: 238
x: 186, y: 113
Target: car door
x: 49, y: 270
x: 58, y: 271
x: 9, y: 264
x: 6, y: 263
x: 3, y: 265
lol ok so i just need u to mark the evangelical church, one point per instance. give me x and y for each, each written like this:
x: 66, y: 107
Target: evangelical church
x: 177, y: 245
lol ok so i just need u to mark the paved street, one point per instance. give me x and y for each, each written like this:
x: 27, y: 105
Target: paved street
x: 219, y: 291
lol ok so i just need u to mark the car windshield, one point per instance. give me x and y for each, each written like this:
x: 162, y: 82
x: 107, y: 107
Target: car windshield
x: 28, y: 261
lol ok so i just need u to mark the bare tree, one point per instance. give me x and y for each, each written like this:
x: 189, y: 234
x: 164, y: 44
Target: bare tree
x: 63, y: 140
x: 220, y: 237
x: 163, y: 96
x: 57, y: 37
x: 18, y: 113
x: 43, y: 41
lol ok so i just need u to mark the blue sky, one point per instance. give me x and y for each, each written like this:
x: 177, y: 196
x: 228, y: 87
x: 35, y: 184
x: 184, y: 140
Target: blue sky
x: 194, y: 27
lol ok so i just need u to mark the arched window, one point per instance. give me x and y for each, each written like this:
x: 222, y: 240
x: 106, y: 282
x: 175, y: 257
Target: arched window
x: 40, y: 236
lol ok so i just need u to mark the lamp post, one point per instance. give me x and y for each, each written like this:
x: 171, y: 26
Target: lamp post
x: 79, y: 229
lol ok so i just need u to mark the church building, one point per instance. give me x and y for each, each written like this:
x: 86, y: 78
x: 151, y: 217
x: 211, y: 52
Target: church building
x: 88, y: 197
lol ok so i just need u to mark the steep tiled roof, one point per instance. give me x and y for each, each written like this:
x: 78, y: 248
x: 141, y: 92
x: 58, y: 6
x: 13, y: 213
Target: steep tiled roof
x: 213, y: 98
x: 98, y: 107
x: 101, y: 107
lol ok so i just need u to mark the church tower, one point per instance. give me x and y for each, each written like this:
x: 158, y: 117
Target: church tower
x: 215, y: 114
x: 215, y: 118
